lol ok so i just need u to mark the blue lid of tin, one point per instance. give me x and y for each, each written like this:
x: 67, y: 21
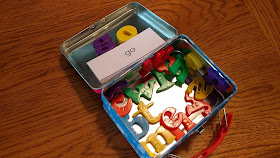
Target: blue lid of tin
x: 79, y: 49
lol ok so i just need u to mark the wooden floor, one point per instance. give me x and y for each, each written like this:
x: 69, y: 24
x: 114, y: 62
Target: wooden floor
x: 47, y: 110
x: 267, y: 14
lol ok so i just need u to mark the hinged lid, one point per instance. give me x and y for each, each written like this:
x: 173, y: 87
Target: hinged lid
x: 79, y: 50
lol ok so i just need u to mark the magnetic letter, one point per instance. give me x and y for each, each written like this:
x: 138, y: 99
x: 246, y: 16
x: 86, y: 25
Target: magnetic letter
x: 103, y: 44
x: 213, y: 78
x: 155, y: 142
x: 116, y: 89
x: 140, y: 121
x: 201, y: 92
x: 188, y: 124
x: 162, y: 67
x: 147, y: 67
x: 192, y: 63
x: 177, y: 133
x: 158, y: 58
x: 164, y: 83
x: 143, y: 109
x: 125, y: 33
x: 172, y: 121
x: 122, y: 111
x: 196, y: 106
x: 169, y: 120
x: 179, y: 64
x: 142, y: 91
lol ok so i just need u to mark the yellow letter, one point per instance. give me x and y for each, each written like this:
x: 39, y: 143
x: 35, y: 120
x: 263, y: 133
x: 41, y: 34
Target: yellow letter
x: 201, y: 92
x: 125, y: 33
x: 155, y: 142
x: 143, y: 109
x: 192, y: 63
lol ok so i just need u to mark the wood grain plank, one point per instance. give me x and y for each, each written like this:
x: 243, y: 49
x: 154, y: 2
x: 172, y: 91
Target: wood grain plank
x: 47, y: 110
x: 268, y: 15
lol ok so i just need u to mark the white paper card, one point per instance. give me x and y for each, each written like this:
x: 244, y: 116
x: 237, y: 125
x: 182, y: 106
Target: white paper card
x: 121, y: 57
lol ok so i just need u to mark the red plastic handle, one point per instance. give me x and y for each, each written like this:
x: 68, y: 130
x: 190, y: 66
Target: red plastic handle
x: 222, y: 132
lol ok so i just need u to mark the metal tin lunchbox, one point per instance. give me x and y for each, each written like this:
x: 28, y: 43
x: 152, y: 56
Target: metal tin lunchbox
x: 165, y: 95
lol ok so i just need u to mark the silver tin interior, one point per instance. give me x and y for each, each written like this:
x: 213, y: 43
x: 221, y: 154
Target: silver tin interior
x: 79, y: 50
